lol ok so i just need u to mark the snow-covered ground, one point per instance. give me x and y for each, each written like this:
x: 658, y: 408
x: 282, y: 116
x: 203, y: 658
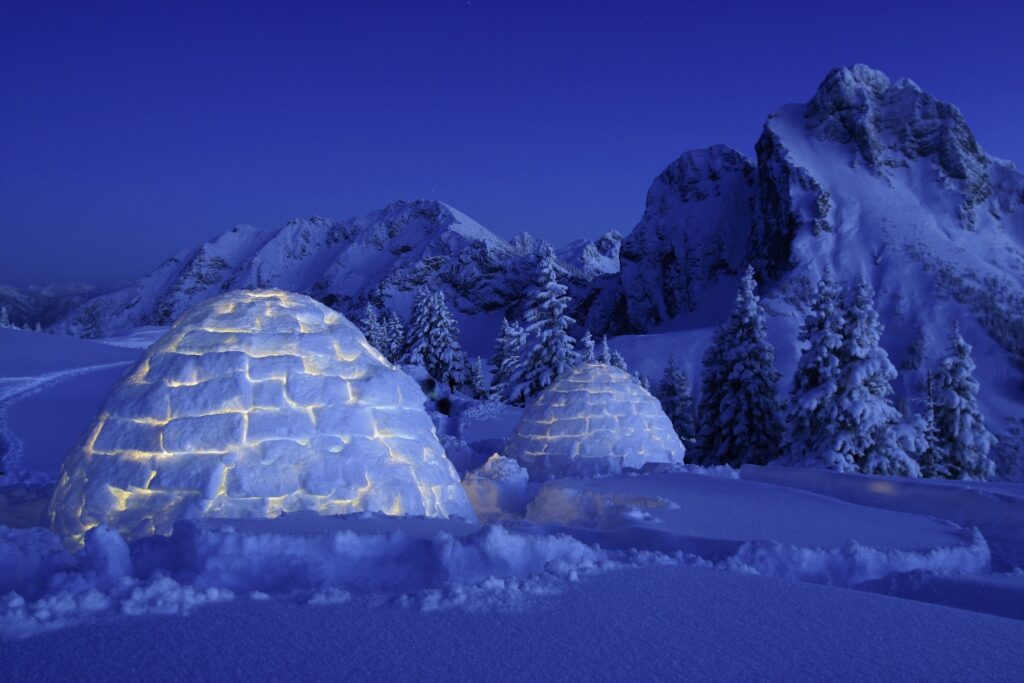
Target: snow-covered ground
x: 677, y: 573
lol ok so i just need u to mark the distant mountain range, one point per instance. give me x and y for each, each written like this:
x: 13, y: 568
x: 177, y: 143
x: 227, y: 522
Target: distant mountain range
x: 871, y: 178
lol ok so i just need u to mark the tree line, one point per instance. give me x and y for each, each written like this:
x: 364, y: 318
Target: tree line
x: 839, y: 413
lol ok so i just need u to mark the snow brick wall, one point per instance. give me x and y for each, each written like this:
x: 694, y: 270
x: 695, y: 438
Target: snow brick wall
x: 595, y: 419
x: 256, y: 403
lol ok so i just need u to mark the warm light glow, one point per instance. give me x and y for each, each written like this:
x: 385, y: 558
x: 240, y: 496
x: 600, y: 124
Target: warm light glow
x: 181, y: 453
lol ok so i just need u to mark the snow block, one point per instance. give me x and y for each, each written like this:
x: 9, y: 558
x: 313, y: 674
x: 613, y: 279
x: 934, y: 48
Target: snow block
x: 253, y: 404
x: 594, y: 420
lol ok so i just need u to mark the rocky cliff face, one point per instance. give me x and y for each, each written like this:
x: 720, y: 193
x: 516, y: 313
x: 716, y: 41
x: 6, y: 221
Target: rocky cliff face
x: 694, y: 231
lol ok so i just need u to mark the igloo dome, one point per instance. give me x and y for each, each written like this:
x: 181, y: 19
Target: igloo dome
x: 253, y: 404
x: 595, y: 419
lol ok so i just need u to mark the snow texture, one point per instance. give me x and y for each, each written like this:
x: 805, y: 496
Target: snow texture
x: 256, y: 403
x: 594, y: 419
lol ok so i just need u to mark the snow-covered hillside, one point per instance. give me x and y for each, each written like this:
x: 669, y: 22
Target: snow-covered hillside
x: 379, y: 257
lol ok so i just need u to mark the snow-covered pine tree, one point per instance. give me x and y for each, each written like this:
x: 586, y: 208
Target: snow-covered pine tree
x: 617, y: 361
x: 867, y: 419
x: 811, y: 438
x: 643, y: 381
x: 586, y: 350
x: 476, y: 383
x: 373, y: 329
x: 677, y: 401
x: 604, y: 352
x: 962, y: 440
x: 551, y: 352
x: 508, y: 359
x: 929, y: 456
x: 739, y: 411
x: 5, y: 320
x: 394, y: 336
x: 434, y: 339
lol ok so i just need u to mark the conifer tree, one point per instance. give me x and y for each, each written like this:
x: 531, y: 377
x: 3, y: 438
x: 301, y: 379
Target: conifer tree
x: 928, y: 455
x: 476, y: 384
x: 394, y: 336
x: 551, y: 352
x: 643, y: 381
x: 5, y: 321
x: 617, y: 361
x: 868, y: 419
x: 586, y: 351
x: 812, y: 429
x: 739, y: 411
x: 962, y: 440
x: 508, y: 359
x: 677, y: 401
x: 373, y: 329
x: 604, y: 352
x: 434, y: 339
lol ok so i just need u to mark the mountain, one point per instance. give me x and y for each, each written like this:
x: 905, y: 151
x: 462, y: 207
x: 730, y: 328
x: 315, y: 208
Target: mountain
x: 44, y: 305
x: 871, y: 178
x: 380, y: 257
x: 694, y: 232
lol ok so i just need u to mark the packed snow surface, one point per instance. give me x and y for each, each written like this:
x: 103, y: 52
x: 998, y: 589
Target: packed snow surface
x: 594, y: 419
x: 253, y: 404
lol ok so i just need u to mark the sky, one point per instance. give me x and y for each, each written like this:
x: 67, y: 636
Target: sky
x: 129, y: 131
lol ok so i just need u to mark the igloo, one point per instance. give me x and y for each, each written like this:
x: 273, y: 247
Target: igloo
x: 595, y: 419
x: 253, y: 404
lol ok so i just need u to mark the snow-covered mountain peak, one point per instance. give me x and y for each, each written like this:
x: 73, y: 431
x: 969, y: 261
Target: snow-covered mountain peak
x: 890, y: 125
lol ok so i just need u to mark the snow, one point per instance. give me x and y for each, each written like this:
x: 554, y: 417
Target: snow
x: 254, y: 404
x: 594, y: 419
x: 681, y: 561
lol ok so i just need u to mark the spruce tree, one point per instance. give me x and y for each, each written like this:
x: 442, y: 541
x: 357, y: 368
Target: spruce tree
x: 812, y: 430
x: 868, y: 419
x: 5, y: 321
x: 604, y: 352
x: 586, y: 351
x: 962, y: 440
x: 677, y: 401
x: 739, y: 411
x: 394, y: 336
x: 508, y: 359
x: 551, y: 352
x: 433, y: 339
x: 475, y: 383
x: 643, y: 381
x: 617, y: 361
x: 373, y: 329
x: 929, y: 457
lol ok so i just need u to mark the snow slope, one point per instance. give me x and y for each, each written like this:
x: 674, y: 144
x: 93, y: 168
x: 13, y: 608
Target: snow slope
x: 51, y: 388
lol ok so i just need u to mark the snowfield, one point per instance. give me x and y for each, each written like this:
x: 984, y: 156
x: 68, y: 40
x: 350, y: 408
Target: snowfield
x: 714, y: 574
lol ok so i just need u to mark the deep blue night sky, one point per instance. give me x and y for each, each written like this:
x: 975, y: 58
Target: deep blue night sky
x: 132, y: 130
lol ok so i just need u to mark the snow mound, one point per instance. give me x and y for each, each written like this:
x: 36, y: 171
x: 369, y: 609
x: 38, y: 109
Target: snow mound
x: 498, y: 489
x: 43, y: 587
x: 595, y: 419
x: 253, y: 404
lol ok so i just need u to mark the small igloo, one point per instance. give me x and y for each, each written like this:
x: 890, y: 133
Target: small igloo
x: 595, y: 419
x: 253, y: 404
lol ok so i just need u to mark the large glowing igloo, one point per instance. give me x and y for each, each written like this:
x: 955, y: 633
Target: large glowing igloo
x: 595, y: 419
x: 253, y: 404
